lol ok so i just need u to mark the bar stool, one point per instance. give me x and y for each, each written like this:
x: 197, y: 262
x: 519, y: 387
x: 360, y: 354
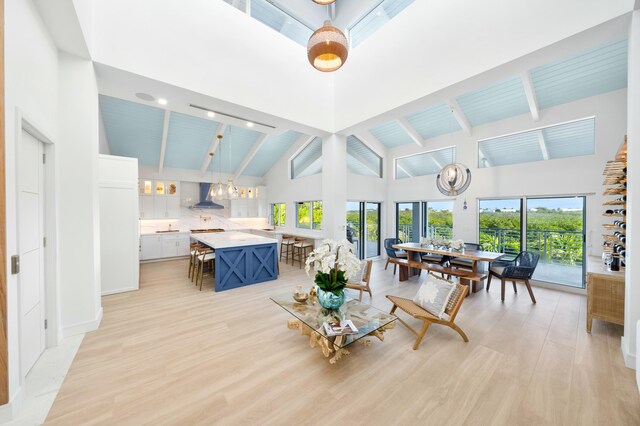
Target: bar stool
x: 205, y: 256
x: 286, y: 248
x: 301, y: 250
x: 192, y: 258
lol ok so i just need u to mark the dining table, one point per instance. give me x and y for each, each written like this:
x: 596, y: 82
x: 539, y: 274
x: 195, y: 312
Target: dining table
x: 416, y: 250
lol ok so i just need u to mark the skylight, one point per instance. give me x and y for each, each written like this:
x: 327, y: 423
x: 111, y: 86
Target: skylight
x: 307, y: 161
x: 564, y: 140
x: 361, y: 159
x: 425, y: 163
x: 376, y: 18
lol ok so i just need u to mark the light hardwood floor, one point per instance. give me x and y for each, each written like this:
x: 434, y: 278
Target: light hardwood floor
x: 169, y: 354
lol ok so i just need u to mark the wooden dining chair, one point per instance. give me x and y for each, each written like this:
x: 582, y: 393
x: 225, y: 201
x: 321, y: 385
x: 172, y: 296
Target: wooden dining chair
x: 453, y: 306
x: 363, y: 284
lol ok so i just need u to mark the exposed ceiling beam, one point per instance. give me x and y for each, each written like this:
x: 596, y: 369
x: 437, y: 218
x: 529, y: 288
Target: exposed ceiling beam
x: 413, y: 134
x: 543, y: 145
x: 531, y: 95
x: 163, y: 145
x: 252, y: 153
x: 459, y: 115
x: 484, y: 158
x: 212, y: 147
x: 403, y: 169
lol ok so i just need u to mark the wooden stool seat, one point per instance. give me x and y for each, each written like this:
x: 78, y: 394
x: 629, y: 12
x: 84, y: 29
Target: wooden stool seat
x: 286, y: 248
x: 301, y: 249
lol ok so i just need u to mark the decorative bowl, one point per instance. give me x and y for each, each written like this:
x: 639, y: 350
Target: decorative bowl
x: 301, y: 297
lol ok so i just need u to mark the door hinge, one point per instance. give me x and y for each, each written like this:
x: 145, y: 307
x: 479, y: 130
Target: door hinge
x: 44, y: 158
x: 15, y: 264
x: 44, y: 241
x: 46, y: 324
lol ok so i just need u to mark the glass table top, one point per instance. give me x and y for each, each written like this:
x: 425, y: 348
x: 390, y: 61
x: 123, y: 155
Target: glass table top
x: 366, y: 318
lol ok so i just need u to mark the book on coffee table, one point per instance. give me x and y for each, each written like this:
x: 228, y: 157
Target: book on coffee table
x: 339, y: 328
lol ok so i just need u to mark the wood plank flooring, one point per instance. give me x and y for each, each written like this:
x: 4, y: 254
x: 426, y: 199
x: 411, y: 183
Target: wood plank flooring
x: 170, y: 354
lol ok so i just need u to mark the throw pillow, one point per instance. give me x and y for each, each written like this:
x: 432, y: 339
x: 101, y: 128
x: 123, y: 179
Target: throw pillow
x: 434, y: 295
x: 357, y: 278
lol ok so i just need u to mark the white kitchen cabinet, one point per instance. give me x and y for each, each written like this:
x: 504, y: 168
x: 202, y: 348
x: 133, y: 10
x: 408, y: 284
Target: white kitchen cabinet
x: 147, y: 210
x: 151, y: 247
x: 254, y: 206
x: 165, y: 245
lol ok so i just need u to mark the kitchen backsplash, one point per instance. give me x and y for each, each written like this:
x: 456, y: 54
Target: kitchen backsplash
x: 201, y: 219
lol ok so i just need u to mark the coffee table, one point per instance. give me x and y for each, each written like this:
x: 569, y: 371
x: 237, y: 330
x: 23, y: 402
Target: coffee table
x: 310, y: 316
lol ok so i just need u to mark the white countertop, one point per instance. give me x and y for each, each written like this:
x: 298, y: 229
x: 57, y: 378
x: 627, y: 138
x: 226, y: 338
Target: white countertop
x: 315, y: 235
x: 232, y: 239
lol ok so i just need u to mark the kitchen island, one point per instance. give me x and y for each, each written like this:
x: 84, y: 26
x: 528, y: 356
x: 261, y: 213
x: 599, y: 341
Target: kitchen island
x: 241, y: 259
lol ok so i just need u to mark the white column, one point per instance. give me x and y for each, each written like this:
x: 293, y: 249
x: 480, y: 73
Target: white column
x: 334, y: 186
x: 77, y: 197
x: 632, y: 286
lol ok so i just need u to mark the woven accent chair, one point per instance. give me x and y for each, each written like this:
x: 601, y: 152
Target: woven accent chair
x: 393, y: 253
x: 520, y: 270
x: 453, y: 306
x: 363, y: 285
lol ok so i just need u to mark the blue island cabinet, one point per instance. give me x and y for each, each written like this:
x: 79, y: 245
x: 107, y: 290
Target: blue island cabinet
x: 245, y: 265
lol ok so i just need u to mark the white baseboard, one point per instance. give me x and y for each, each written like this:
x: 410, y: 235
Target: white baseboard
x: 629, y: 358
x: 83, y: 327
x: 119, y: 290
x: 10, y: 411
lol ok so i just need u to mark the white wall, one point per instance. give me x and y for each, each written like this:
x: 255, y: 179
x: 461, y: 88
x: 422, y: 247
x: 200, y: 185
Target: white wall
x: 200, y: 46
x: 434, y: 44
x: 31, y: 86
x: 630, y: 341
x: 577, y: 175
x: 77, y: 194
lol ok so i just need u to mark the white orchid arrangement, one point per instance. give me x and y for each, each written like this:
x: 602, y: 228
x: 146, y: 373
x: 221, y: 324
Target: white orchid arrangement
x: 335, y: 262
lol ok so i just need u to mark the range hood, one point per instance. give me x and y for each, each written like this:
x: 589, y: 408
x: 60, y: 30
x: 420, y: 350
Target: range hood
x: 203, y: 203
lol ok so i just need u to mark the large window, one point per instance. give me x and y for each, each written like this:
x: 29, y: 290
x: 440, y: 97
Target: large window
x: 425, y: 163
x: 278, y: 214
x: 308, y: 161
x: 309, y: 214
x: 437, y: 219
x: 408, y: 221
x: 570, y: 139
x: 553, y: 226
x: 361, y: 159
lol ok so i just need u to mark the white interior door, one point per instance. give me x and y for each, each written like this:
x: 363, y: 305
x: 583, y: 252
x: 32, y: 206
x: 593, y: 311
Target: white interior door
x: 30, y: 240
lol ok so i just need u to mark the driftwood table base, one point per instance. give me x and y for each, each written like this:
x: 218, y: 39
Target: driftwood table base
x: 331, y: 346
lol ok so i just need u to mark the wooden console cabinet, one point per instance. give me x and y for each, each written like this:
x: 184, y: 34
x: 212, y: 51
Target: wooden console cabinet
x: 605, y: 293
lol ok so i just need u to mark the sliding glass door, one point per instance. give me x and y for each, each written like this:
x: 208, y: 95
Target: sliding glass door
x: 500, y: 225
x: 363, y: 228
x: 437, y: 219
x: 555, y: 230
x: 554, y: 227
x: 408, y: 222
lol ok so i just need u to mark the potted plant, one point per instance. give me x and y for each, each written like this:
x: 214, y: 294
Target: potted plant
x: 335, y: 262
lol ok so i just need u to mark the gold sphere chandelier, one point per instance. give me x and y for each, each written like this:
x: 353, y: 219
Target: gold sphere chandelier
x: 328, y: 48
x: 324, y: 1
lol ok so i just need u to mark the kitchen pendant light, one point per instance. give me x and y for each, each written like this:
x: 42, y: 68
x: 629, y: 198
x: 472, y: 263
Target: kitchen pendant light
x: 218, y: 192
x: 212, y: 191
x: 232, y: 190
x: 327, y: 48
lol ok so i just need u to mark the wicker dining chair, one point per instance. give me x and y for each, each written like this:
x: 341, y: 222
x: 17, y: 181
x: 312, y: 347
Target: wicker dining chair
x: 453, y: 306
x: 393, y: 253
x: 520, y: 270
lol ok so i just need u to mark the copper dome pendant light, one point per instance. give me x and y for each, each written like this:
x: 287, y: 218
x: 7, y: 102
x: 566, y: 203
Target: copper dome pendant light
x: 324, y: 1
x: 328, y: 48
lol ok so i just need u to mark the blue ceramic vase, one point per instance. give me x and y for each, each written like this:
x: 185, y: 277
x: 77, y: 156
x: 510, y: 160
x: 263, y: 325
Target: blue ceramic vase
x: 329, y: 300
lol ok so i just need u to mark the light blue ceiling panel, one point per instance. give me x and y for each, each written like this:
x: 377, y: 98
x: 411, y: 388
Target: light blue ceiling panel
x: 570, y: 139
x: 425, y: 163
x: 270, y: 152
x: 361, y: 159
x: 391, y: 134
x: 308, y: 161
x: 133, y: 130
x: 496, y: 102
x: 589, y: 73
x: 511, y: 149
x: 233, y: 148
x: 434, y: 121
x: 188, y: 140
x: 281, y: 21
x: 375, y: 19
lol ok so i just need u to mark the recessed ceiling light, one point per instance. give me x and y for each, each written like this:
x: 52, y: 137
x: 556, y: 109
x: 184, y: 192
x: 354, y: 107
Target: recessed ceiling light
x: 162, y: 101
x: 249, y: 124
x: 211, y: 114
x: 145, y: 97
